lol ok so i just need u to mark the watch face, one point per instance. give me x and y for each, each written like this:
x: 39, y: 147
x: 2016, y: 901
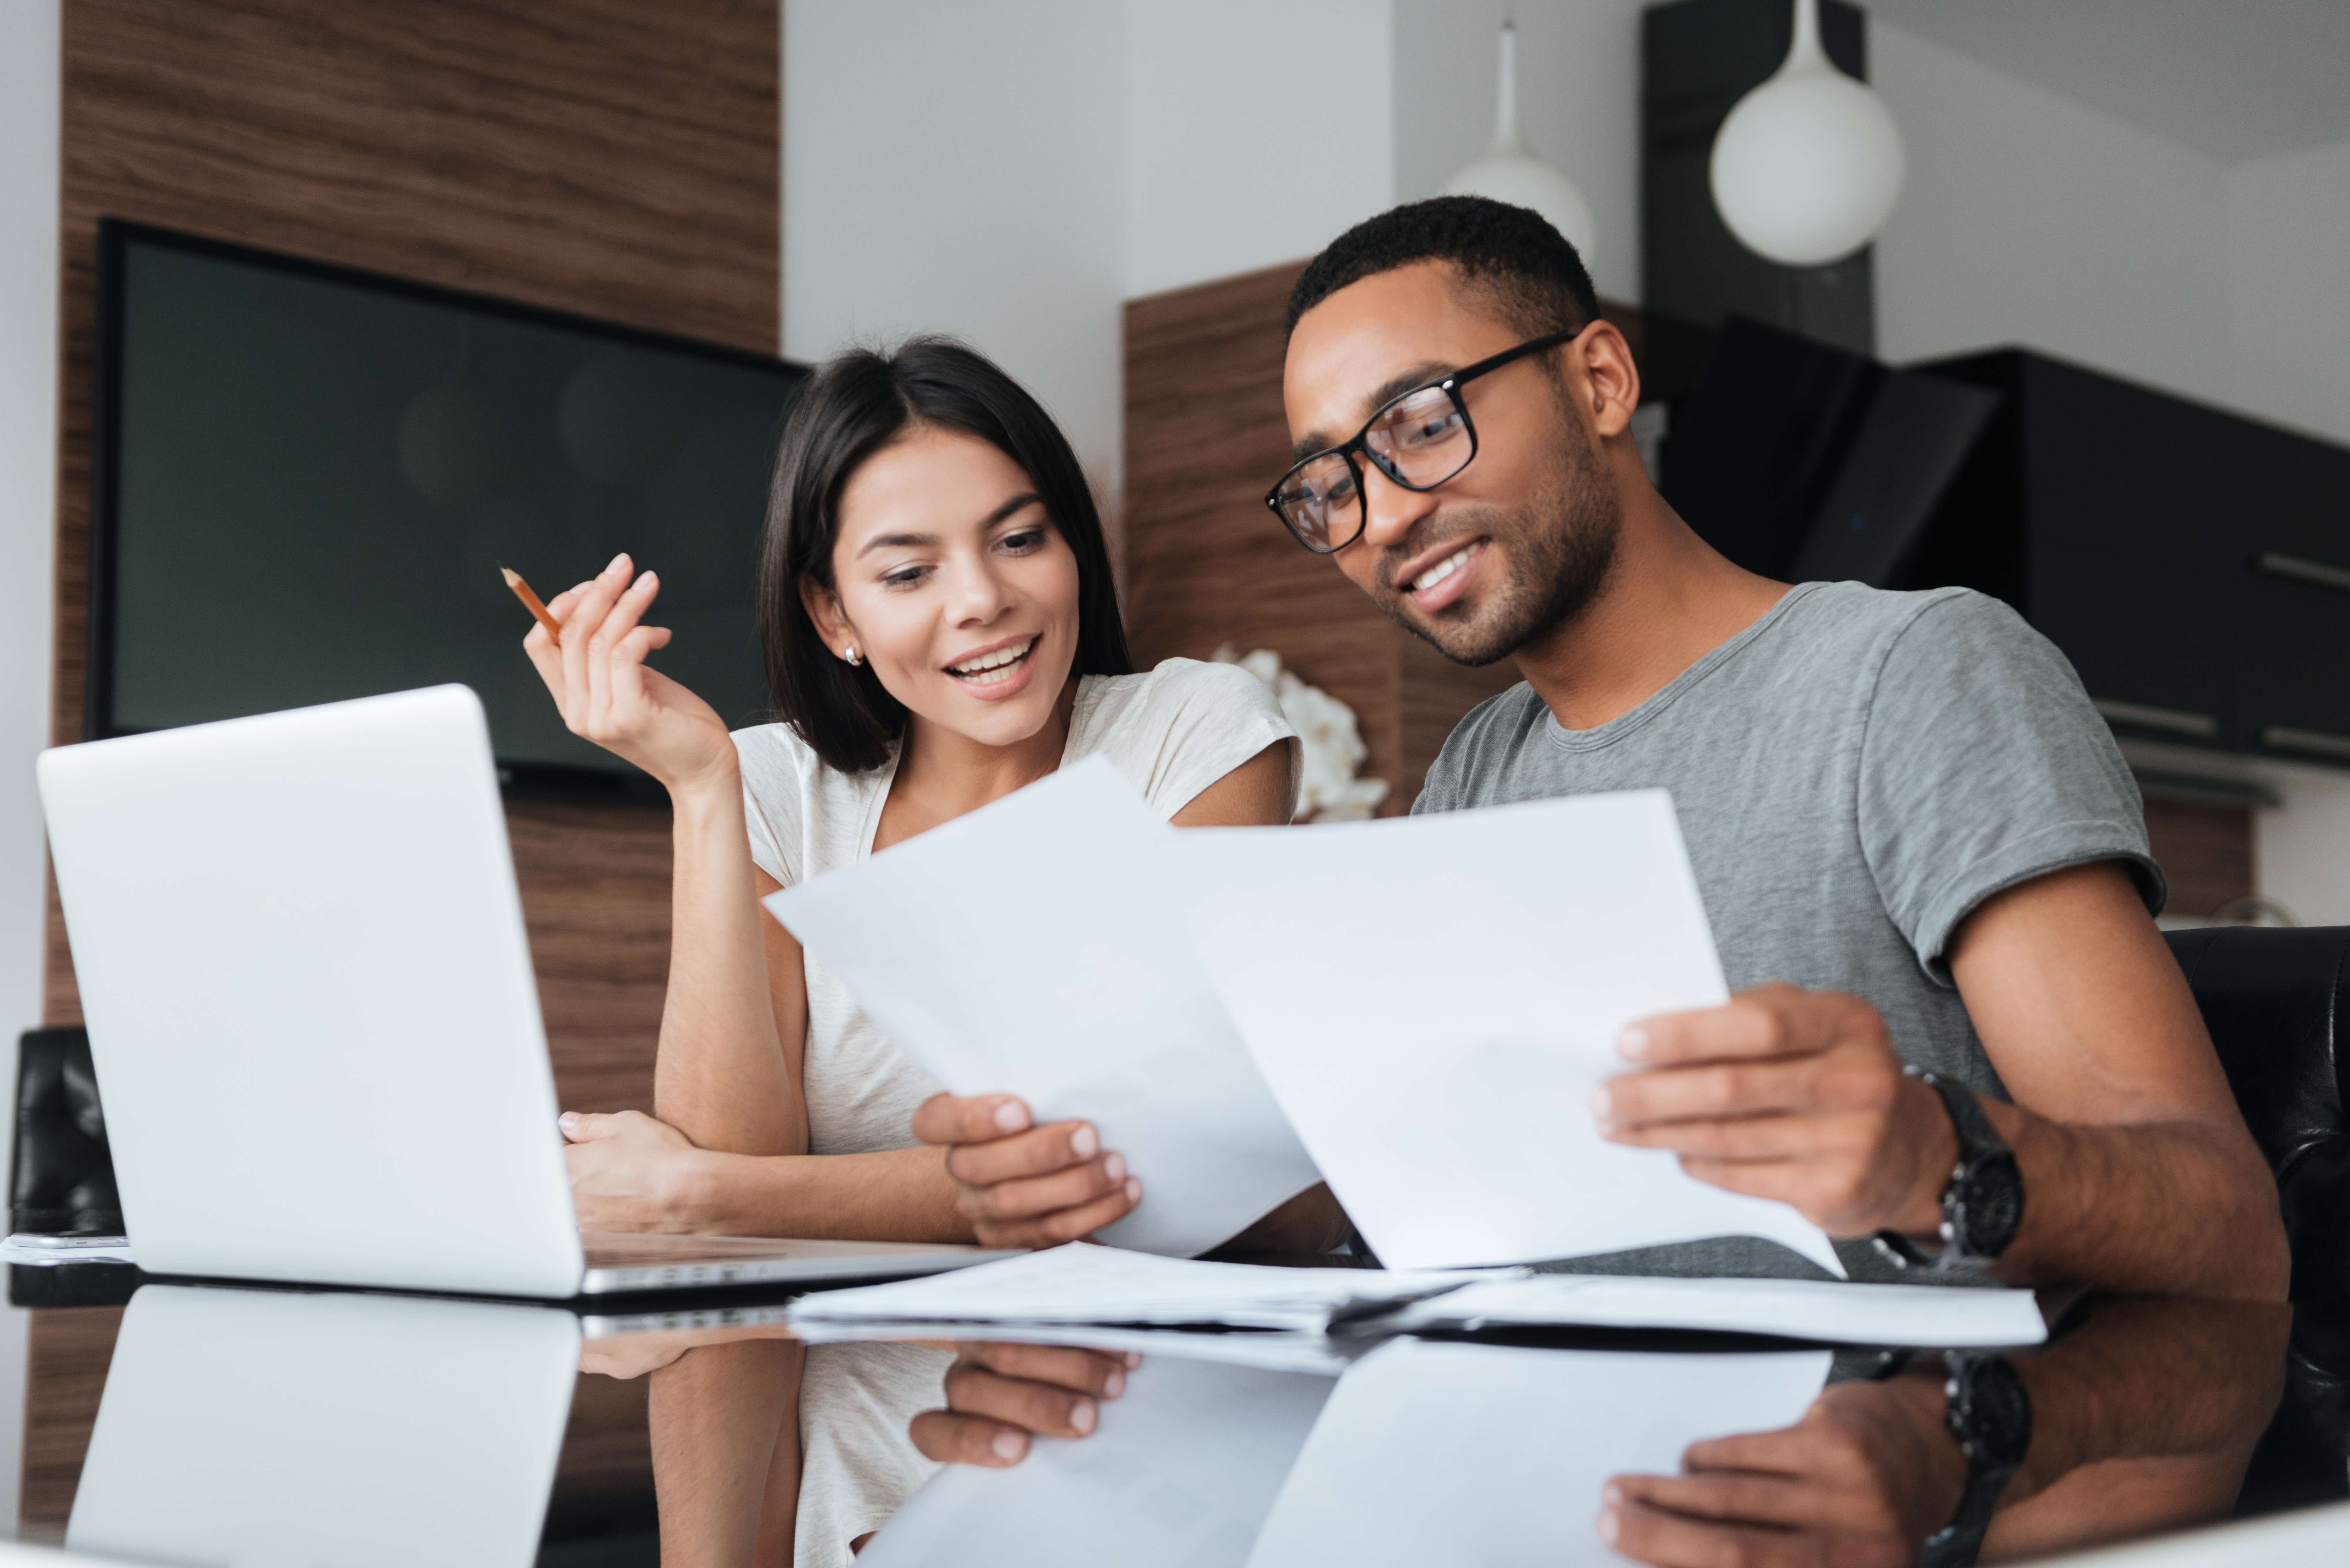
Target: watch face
x: 1995, y: 1205
x: 1991, y: 1412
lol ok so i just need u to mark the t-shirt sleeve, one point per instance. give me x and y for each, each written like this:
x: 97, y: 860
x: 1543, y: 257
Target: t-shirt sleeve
x: 771, y: 761
x: 1983, y: 765
x: 1195, y: 723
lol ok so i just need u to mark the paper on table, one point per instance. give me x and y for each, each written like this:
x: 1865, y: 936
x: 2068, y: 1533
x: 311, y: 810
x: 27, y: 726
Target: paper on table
x: 1515, y: 1446
x: 1079, y: 1283
x: 1833, y: 1310
x: 1021, y: 950
x: 1434, y: 1000
x: 1181, y: 1472
x: 1297, y: 1350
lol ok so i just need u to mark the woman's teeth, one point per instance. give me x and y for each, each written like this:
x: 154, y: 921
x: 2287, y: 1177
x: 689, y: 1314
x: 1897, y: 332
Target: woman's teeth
x: 990, y: 667
x: 1443, y: 569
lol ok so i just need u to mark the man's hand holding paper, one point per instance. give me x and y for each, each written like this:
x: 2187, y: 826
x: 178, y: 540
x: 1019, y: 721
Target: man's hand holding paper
x: 1436, y: 1002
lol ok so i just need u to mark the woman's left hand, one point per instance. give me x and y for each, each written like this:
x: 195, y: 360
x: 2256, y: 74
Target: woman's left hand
x: 630, y: 1172
x: 1024, y: 1186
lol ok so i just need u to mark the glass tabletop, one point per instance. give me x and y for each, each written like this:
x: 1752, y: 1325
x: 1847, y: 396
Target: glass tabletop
x: 248, y: 1424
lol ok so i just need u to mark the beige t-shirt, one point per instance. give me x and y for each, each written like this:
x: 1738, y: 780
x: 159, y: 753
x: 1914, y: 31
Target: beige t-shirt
x: 1171, y: 731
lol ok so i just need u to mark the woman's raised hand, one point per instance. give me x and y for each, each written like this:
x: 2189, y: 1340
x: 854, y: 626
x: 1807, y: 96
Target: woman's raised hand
x: 606, y: 694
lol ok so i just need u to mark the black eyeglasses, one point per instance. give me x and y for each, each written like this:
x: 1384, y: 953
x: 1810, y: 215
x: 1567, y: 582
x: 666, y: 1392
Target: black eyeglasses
x: 1419, y: 438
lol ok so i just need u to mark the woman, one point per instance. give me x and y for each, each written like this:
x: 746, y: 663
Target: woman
x: 940, y: 627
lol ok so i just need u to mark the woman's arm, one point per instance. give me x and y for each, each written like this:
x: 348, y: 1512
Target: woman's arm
x: 727, y: 1073
x: 631, y: 1172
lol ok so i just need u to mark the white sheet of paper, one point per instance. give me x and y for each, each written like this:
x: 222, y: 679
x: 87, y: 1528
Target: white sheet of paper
x: 1180, y: 1473
x: 1434, y: 1000
x: 1836, y: 1311
x: 1435, y: 1453
x: 1079, y: 1283
x: 1022, y: 949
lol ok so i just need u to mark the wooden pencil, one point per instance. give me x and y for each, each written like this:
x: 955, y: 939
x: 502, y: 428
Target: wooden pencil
x: 530, y: 602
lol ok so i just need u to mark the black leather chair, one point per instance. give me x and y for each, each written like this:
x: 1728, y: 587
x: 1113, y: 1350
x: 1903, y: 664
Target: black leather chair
x: 63, y: 1177
x: 2275, y: 1004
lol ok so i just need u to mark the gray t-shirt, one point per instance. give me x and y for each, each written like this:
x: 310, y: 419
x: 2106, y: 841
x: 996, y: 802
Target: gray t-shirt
x: 1854, y: 774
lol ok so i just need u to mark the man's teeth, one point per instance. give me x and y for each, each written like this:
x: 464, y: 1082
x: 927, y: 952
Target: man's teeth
x: 1443, y: 569
x: 990, y: 667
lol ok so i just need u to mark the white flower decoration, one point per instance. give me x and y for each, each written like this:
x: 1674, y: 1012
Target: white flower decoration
x: 1332, y: 743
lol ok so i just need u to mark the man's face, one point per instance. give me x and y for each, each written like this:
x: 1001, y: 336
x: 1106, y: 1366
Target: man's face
x: 1514, y: 545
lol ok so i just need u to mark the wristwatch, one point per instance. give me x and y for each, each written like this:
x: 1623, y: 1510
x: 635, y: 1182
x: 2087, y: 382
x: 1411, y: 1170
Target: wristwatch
x: 1990, y: 1414
x: 1982, y: 1203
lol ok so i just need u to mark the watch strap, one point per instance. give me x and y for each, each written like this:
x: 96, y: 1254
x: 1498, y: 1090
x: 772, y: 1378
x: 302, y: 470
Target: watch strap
x: 1993, y: 1443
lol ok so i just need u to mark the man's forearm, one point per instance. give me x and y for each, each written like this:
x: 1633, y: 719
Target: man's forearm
x: 2144, y: 1417
x: 894, y: 1195
x: 2173, y: 1208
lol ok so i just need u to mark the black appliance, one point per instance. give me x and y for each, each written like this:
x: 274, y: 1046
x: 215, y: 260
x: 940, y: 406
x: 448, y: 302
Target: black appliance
x: 2194, y: 564
x: 1808, y: 463
x: 306, y: 478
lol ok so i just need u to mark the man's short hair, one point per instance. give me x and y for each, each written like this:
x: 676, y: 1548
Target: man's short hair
x: 1511, y: 255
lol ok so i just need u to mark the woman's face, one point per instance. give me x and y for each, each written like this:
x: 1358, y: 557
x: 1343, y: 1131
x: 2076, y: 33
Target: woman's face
x: 954, y: 584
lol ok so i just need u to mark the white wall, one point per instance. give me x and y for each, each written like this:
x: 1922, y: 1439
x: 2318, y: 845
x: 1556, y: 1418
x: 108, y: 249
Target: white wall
x: 1579, y: 106
x: 2288, y: 227
x: 1256, y: 130
x: 957, y: 165
x: 2029, y: 219
x: 28, y: 447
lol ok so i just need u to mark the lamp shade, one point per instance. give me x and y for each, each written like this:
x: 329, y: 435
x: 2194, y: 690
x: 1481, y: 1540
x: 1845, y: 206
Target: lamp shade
x: 1807, y: 166
x: 1508, y: 172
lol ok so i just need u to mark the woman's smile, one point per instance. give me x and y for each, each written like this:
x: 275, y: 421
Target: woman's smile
x: 998, y: 670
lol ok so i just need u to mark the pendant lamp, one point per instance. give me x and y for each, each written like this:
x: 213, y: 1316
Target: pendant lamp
x: 1808, y: 165
x: 1509, y: 172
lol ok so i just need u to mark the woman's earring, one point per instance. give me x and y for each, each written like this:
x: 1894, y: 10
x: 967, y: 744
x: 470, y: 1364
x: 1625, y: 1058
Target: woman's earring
x: 854, y: 657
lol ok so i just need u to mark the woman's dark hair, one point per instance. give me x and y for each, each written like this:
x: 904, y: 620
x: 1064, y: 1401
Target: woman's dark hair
x: 857, y: 402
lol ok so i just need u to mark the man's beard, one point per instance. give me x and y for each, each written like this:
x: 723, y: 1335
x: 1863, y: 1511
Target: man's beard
x: 1558, y: 547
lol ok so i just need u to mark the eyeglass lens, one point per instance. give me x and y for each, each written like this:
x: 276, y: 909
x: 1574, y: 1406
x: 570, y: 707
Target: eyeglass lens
x: 1420, y: 441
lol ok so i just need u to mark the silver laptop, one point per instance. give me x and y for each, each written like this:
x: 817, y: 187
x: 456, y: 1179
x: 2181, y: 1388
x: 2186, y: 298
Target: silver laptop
x: 315, y: 1023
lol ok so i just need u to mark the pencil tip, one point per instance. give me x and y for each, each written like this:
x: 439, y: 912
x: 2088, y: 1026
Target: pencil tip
x: 509, y: 574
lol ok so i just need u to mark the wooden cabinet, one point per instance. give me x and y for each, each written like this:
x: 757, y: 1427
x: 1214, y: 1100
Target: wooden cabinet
x: 2194, y: 564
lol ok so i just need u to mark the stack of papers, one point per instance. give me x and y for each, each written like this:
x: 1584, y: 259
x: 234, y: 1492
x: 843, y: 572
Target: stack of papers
x: 1833, y: 1311
x: 1086, y: 1284
x: 1044, y: 1295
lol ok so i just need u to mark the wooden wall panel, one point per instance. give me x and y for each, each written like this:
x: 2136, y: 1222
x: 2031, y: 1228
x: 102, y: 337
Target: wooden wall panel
x: 1206, y: 564
x: 608, y: 157
x: 600, y: 156
x: 71, y: 1348
x: 2205, y: 850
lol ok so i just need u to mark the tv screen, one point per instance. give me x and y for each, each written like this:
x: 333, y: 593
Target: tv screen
x: 306, y: 479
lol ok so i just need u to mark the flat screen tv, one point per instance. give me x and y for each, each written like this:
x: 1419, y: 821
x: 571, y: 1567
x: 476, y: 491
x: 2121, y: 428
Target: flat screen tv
x: 306, y: 478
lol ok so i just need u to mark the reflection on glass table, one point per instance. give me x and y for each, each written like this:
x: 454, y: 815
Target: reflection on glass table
x: 256, y: 1426
x: 2145, y: 1413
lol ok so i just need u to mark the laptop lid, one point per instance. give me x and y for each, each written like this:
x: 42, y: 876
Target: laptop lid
x: 265, y: 1427
x: 310, y: 1000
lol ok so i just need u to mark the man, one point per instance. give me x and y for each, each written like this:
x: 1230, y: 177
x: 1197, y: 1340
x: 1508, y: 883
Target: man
x: 1916, y: 840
